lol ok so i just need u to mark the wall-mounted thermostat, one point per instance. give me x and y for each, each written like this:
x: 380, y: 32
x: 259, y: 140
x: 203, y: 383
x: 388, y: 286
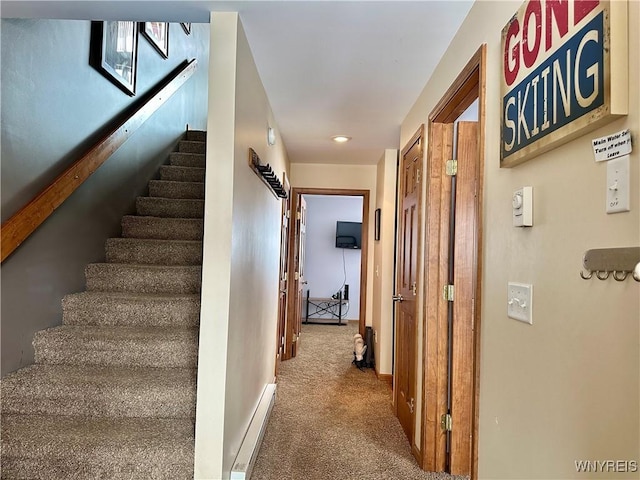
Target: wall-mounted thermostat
x: 522, y: 203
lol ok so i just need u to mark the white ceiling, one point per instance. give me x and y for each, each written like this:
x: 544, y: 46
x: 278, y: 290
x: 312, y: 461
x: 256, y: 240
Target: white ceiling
x: 329, y: 67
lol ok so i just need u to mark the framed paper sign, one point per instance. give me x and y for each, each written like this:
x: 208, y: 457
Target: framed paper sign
x: 114, y: 53
x: 564, y: 73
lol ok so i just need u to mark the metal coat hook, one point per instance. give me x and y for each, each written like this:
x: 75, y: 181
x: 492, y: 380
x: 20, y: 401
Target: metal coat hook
x: 616, y: 262
x: 585, y: 277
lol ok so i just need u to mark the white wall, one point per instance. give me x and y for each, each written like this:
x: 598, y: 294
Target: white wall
x: 567, y: 387
x: 325, y: 265
x: 241, y: 253
x: 384, y: 251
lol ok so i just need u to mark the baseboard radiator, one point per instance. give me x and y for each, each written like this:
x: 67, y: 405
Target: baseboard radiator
x: 250, y: 447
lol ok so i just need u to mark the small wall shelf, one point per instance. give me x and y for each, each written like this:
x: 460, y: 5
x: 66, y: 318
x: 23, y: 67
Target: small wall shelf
x: 266, y: 174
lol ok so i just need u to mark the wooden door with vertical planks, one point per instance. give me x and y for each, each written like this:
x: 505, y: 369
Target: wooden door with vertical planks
x: 296, y: 275
x: 407, y: 284
x: 464, y: 281
x: 284, y: 262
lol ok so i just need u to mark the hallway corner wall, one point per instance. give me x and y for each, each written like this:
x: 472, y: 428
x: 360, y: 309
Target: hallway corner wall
x: 384, y: 251
x: 565, y: 388
x: 241, y: 253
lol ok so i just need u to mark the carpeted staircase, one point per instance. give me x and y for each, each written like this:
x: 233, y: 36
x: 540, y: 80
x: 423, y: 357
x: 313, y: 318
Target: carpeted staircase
x: 112, y: 393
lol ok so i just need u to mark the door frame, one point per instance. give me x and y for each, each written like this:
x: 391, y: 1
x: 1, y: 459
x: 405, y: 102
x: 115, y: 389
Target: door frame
x: 469, y: 85
x: 364, y: 251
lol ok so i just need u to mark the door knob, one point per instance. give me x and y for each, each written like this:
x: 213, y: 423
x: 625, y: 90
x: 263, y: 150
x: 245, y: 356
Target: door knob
x: 398, y: 298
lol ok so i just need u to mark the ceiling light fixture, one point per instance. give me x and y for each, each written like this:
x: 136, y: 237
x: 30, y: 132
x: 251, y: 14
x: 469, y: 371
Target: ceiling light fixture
x: 340, y: 138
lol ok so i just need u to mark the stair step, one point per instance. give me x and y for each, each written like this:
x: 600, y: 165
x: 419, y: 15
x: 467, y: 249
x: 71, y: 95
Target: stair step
x: 181, y: 159
x: 55, y: 447
x: 131, y: 309
x: 100, y: 391
x: 190, y: 146
x: 170, y: 207
x: 181, y: 174
x: 117, y: 346
x: 196, y: 135
x: 153, y: 252
x: 116, y: 277
x: 167, y: 189
x: 134, y: 226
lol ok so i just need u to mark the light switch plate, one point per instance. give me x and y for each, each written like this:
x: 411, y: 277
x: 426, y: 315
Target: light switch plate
x: 520, y: 302
x: 618, y: 185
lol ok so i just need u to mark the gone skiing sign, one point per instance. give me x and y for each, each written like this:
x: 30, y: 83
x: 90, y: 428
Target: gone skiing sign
x: 564, y: 73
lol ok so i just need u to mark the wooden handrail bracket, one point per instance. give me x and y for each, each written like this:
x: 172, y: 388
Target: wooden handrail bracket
x: 23, y: 223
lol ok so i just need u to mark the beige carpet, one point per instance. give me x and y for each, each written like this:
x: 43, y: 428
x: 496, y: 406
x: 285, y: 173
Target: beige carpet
x: 332, y: 421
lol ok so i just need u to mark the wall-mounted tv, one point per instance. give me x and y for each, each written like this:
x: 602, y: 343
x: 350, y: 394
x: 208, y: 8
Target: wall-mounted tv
x: 349, y: 235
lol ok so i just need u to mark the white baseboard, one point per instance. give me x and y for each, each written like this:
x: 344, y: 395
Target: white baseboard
x: 250, y: 447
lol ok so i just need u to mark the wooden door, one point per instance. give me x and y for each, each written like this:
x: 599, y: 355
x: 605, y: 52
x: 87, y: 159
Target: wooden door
x: 451, y: 321
x: 407, y: 284
x: 284, y: 262
x: 296, y: 284
x: 464, y: 281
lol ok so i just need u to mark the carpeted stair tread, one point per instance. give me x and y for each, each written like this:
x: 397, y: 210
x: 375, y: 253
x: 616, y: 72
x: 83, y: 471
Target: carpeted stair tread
x: 117, y: 346
x: 100, y: 391
x: 169, y: 189
x: 170, y: 207
x: 196, y: 135
x: 118, y: 277
x: 153, y: 252
x: 56, y: 447
x: 181, y: 174
x: 112, y: 393
x: 182, y: 159
x: 131, y: 309
x: 191, y: 146
x: 135, y: 226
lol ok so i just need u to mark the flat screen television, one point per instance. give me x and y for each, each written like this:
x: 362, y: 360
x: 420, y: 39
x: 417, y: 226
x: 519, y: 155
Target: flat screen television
x: 349, y: 235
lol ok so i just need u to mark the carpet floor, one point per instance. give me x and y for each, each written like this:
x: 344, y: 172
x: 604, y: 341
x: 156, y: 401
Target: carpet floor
x: 332, y: 421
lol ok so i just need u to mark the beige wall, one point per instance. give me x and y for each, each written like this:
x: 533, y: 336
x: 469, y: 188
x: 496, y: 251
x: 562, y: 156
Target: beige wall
x: 360, y: 177
x: 383, y: 262
x: 241, y: 253
x: 565, y: 388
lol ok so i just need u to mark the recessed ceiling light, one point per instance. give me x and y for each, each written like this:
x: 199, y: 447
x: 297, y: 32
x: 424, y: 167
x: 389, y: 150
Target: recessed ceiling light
x: 341, y: 138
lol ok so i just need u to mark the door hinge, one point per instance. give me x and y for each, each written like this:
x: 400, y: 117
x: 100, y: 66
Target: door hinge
x: 412, y: 405
x: 452, y: 167
x: 446, y: 422
x: 418, y: 176
x: 298, y: 217
x: 447, y: 293
x: 296, y: 276
x: 414, y: 288
x: 288, y: 213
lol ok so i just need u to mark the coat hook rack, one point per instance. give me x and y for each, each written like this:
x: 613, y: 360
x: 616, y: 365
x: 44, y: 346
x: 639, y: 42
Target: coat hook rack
x: 618, y: 263
x: 266, y: 174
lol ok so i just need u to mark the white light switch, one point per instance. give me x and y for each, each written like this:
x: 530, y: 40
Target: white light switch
x: 520, y: 302
x: 522, y: 203
x: 618, y: 185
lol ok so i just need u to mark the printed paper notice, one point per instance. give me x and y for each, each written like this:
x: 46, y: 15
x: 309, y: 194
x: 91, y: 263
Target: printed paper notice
x: 612, y: 146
